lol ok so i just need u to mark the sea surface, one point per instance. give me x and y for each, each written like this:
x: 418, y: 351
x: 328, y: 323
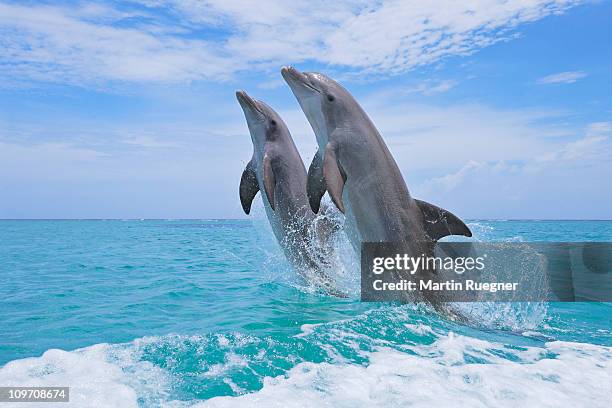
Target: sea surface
x: 185, y: 313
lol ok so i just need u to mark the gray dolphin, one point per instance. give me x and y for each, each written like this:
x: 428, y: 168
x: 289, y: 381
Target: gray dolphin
x: 276, y: 169
x: 354, y: 165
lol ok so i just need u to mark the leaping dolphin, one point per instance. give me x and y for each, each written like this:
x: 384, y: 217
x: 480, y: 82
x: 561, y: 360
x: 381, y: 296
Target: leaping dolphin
x: 276, y: 169
x: 354, y: 165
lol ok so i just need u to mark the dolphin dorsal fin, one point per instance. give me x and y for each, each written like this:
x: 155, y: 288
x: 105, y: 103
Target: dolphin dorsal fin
x: 324, y: 174
x: 315, y: 183
x: 248, y: 187
x: 439, y: 222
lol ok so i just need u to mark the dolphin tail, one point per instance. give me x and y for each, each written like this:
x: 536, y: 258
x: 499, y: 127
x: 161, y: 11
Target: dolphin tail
x: 439, y: 222
x: 248, y: 187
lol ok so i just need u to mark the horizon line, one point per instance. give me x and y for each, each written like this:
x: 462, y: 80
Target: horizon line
x: 241, y: 219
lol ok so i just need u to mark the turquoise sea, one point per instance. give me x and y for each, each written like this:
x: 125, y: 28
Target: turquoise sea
x: 207, y: 312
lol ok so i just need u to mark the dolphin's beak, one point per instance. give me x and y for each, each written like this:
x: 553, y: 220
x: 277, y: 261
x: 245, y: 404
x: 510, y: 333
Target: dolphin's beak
x: 250, y: 107
x: 296, y: 80
x: 291, y: 74
x: 246, y: 101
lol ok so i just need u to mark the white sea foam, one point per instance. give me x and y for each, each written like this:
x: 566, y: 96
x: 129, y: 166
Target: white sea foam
x: 98, y: 376
x: 307, y: 329
x: 453, y: 370
x: 438, y: 375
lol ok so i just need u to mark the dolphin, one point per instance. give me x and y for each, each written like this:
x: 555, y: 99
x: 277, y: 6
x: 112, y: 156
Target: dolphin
x: 355, y: 167
x: 276, y: 169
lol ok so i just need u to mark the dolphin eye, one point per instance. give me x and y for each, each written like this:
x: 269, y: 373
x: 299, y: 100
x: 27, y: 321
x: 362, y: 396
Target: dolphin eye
x: 330, y: 97
x: 273, y: 122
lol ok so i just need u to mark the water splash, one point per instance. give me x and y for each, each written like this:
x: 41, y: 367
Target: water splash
x: 513, y: 316
x: 333, y: 266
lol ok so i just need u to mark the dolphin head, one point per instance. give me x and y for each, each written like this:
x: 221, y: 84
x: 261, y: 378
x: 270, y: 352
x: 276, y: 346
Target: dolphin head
x: 264, y: 123
x: 326, y: 104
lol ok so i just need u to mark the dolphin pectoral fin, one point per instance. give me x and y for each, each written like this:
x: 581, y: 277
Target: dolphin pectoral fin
x: 333, y: 176
x: 315, y: 183
x: 269, y: 179
x: 439, y: 222
x: 248, y: 187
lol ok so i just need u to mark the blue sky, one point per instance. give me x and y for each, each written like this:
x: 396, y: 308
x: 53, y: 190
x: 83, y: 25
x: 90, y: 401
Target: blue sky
x: 127, y: 109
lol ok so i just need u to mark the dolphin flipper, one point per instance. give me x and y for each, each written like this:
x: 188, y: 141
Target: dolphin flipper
x: 269, y: 179
x: 439, y: 222
x: 315, y: 183
x: 248, y: 187
x: 332, y: 174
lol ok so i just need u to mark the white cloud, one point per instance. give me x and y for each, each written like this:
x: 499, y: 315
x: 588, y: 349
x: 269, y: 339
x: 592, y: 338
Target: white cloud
x: 597, y: 128
x: 429, y: 88
x: 585, y: 148
x: 398, y: 35
x: 590, y: 149
x: 24, y: 162
x: 569, y: 182
x: 149, y: 142
x: 428, y: 138
x: 53, y: 43
x: 452, y: 180
x: 568, y: 77
x: 163, y: 40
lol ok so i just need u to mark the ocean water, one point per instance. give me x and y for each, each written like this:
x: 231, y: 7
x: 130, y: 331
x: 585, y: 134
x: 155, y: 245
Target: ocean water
x: 207, y: 313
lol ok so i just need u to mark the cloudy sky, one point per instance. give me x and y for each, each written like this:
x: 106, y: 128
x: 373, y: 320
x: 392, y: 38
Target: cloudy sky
x: 493, y: 109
